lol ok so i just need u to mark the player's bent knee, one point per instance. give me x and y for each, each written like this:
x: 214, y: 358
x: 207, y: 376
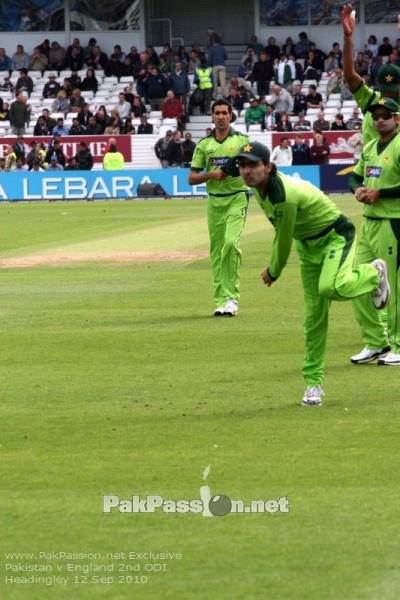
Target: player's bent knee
x: 231, y: 246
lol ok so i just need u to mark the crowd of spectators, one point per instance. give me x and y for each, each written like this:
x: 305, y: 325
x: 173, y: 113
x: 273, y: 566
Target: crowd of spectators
x: 267, y: 90
x: 45, y: 157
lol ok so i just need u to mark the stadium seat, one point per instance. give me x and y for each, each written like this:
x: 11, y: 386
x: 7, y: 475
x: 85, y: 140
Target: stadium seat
x: 331, y: 111
x: 47, y: 103
x: 103, y: 93
x: 172, y: 123
x: 112, y: 81
x: 311, y: 111
x: 349, y: 104
x: 65, y: 73
x: 35, y: 75
x: 35, y: 102
x: 240, y: 127
x: 254, y: 128
x: 7, y: 96
x: 34, y: 94
x: 334, y: 97
x: 332, y: 104
x: 88, y: 95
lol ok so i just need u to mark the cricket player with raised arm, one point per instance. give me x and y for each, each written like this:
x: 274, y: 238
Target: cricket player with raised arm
x: 325, y: 243
x: 373, y: 325
x: 213, y: 163
x: 375, y: 183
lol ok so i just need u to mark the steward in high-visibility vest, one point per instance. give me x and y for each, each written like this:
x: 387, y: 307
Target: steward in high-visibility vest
x: 204, y: 78
x: 113, y: 160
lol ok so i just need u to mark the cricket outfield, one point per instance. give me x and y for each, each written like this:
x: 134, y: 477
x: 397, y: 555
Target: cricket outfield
x: 151, y: 451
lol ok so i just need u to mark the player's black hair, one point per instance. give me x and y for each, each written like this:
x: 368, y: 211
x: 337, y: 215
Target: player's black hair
x: 222, y: 102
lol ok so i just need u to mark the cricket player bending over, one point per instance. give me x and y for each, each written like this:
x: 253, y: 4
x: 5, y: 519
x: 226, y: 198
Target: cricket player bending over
x: 325, y: 243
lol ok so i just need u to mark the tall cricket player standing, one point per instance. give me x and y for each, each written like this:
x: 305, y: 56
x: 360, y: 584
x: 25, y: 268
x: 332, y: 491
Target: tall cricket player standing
x: 373, y: 325
x: 375, y: 182
x: 227, y: 204
x: 325, y: 243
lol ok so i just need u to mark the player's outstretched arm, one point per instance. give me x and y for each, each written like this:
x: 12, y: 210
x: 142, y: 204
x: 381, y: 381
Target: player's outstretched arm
x: 348, y: 21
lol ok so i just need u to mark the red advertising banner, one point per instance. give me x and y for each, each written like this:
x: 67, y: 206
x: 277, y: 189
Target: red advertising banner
x: 345, y: 146
x: 70, y: 143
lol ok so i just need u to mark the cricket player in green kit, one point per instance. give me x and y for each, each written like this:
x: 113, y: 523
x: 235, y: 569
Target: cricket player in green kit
x: 227, y: 204
x: 325, y: 243
x: 374, y: 327
x: 375, y: 182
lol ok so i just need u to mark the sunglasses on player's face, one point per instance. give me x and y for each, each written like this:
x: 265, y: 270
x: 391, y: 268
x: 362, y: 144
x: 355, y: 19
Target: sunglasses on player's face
x: 383, y: 115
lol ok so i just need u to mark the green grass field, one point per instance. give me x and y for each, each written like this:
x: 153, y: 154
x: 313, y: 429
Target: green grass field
x: 116, y: 380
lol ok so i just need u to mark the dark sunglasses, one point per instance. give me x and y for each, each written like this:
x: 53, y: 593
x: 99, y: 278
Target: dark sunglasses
x: 385, y: 116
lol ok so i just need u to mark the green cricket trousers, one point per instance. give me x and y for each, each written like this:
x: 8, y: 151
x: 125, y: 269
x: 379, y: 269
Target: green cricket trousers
x: 226, y: 218
x: 380, y: 238
x: 327, y: 274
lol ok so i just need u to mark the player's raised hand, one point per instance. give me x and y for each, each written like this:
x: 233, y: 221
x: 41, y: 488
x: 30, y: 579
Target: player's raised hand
x: 398, y: 22
x: 348, y: 20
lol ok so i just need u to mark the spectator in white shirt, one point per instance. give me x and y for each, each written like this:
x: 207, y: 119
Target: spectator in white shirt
x: 285, y: 71
x: 282, y: 154
x: 123, y: 107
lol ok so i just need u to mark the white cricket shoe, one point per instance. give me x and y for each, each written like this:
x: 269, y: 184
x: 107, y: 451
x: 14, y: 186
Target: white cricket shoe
x: 368, y: 355
x: 219, y: 311
x: 313, y: 395
x: 231, y: 308
x: 391, y: 360
x: 381, y: 296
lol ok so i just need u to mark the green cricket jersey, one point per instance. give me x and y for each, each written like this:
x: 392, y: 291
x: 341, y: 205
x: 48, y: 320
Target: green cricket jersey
x: 297, y: 209
x: 364, y: 97
x: 210, y: 155
x: 379, y: 166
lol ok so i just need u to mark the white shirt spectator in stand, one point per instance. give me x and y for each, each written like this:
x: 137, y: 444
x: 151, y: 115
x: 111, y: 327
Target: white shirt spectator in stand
x: 282, y: 154
x: 281, y: 68
x: 123, y: 107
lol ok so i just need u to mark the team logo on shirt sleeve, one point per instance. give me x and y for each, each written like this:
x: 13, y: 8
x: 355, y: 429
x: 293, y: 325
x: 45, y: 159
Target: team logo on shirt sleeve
x: 373, y: 172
